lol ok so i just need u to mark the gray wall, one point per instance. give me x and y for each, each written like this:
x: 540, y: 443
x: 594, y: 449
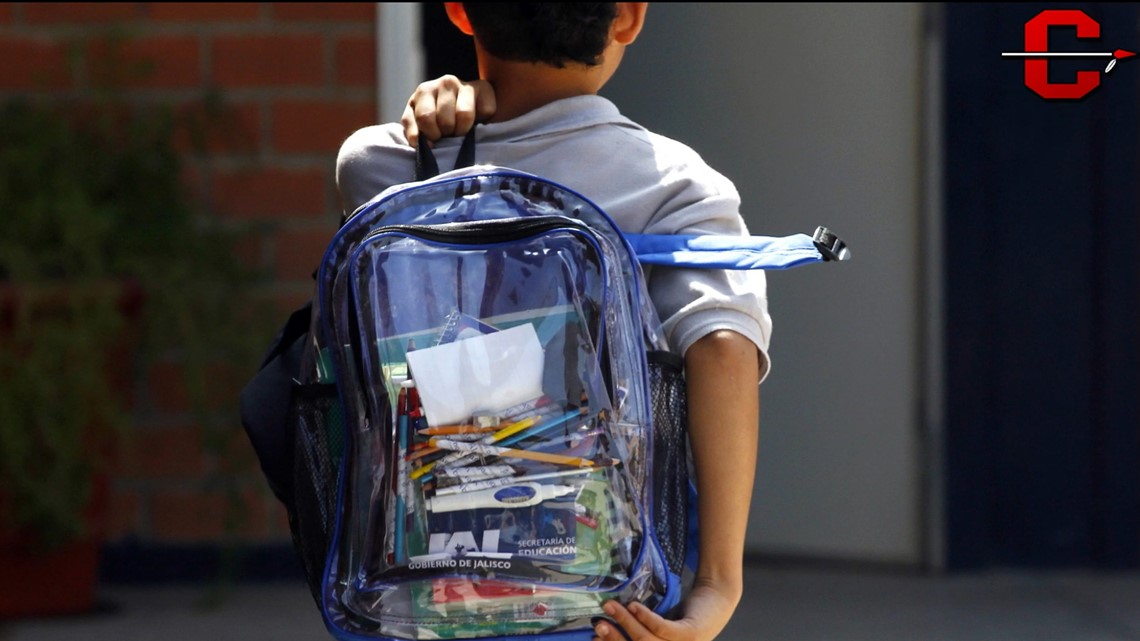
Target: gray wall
x: 814, y: 111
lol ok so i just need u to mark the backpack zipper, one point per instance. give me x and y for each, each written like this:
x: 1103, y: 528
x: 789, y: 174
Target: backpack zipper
x: 481, y: 232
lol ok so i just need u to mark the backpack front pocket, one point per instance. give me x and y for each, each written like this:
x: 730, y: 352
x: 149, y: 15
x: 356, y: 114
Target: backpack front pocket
x: 494, y: 455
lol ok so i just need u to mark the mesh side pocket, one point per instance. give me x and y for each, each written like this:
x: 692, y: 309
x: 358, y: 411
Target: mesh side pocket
x: 670, y: 456
x: 318, y: 420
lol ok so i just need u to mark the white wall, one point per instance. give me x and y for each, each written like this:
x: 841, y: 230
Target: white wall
x: 814, y: 111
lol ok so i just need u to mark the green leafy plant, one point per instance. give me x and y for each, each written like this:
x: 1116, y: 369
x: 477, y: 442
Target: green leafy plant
x: 102, y: 247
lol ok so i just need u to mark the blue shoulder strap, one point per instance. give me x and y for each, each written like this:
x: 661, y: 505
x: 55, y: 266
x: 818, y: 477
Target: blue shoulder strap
x: 739, y: 252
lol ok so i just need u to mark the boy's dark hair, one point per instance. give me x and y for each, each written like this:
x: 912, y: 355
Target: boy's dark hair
x: 552, y: 33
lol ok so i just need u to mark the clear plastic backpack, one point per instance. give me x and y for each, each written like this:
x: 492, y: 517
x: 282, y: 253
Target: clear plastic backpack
x: 487, y: 432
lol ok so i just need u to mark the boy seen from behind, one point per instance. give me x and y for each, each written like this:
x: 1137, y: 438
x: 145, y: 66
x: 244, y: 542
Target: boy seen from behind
x: 541, y: 66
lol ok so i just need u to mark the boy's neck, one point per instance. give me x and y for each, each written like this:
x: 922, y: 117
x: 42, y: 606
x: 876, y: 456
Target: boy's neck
x: 521, y: 87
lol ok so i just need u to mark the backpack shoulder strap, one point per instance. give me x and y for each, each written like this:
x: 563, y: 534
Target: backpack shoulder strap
x: 738, y: 252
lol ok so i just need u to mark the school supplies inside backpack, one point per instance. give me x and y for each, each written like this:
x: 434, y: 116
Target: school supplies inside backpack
x: 481, y: 432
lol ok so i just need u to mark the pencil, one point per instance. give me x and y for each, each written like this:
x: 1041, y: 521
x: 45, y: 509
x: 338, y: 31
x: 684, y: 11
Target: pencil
x: 457, y: 458
x: 508, y: 452
x: 447, y: 430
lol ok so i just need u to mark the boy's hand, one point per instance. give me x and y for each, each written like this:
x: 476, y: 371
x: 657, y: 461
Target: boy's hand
x: 707, y: 611
x: 446, y: 106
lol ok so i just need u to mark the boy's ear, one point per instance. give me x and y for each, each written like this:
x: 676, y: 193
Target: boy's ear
x: 629, y: 21
x: 458, y: 16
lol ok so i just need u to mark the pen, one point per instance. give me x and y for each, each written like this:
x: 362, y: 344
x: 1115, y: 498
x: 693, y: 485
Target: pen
x: 539, y: 429
x: 401, y: 467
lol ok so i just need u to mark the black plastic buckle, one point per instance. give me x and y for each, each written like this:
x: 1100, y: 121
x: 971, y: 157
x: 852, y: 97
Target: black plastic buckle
x: 831, y: 246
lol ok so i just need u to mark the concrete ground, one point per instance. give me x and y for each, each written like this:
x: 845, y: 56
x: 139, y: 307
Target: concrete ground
x: 780, y: 604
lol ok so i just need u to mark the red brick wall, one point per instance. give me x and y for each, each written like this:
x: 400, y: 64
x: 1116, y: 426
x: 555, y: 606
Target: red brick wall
x: 299, y: 77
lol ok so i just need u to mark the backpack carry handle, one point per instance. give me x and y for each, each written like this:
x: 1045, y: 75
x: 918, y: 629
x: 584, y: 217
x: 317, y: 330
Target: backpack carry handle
x: 426, y: 165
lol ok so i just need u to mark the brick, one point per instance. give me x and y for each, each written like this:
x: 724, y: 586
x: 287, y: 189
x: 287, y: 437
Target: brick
x: 203, y: 516
x: 298, y: 253
x: 27, y: 63
x: 251, y: 251
x: 165, y: 453
x: 363, y: 12
x: 270, y: 193
x: 5, y: 12
x: 193, y: 180
x: 317, y: 126
x: 268, y: 61
x: 203, y: 11
x: 249, y: 516
x: 172, y: 390
x: 221, y: 382
x: 187, y: 515
x: 170, y: 62
x: 355, y: 61
x: 236, y: 458
x: 232, y: 129
x: 277, y: 525
x: 78, y: 12
x: 286, y: 302
x: 124, y: 515
x: 166, y: 383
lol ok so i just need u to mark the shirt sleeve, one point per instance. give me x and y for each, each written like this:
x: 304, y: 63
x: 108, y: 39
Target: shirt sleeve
x: 371, y: 160
x: 694, y: 302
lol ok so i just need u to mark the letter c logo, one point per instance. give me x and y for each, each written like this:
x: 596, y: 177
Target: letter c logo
x: 1037, y: 40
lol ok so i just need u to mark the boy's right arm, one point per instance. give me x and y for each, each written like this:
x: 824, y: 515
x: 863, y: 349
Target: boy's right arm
x: 445, y: 107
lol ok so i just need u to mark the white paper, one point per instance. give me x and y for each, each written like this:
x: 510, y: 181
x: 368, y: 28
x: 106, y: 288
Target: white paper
x: 481, y: 374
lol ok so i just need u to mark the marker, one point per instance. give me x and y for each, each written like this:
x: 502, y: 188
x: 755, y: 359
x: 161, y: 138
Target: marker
x: 520, y: 495
x: 507, y: 452
x: 487, y: 484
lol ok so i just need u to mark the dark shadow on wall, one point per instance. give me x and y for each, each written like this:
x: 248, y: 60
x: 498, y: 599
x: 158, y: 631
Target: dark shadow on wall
x: 1042, y: 203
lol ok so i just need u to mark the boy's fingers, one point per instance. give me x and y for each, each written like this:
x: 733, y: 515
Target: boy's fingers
x: 652, y: 621
x: 632, y: 628
x: 464, y: 110
x: 607, y: 631
x: 445, y: 104
x: 411, y: 131
x: 484, y: 99
x: 425, y: 117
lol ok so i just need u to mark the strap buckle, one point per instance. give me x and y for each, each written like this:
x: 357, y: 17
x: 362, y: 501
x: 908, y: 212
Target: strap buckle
x: 831, y: 246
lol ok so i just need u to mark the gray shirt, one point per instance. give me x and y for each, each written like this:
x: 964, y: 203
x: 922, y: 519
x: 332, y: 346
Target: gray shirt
x: 646, y: 182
